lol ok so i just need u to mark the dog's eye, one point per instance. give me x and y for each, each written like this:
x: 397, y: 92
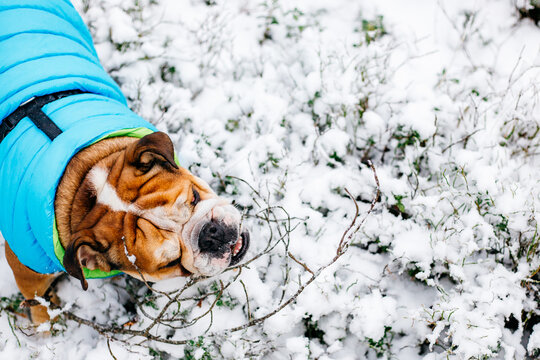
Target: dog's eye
x: 196, y: 198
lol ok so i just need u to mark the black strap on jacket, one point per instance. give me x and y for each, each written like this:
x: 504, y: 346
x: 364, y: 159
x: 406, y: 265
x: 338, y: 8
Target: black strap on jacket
x: 32, y: 109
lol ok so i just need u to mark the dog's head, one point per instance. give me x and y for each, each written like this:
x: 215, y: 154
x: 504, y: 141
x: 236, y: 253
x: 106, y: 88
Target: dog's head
x: 152, y: 219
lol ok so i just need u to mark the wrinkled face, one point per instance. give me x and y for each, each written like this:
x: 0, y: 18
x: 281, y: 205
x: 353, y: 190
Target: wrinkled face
x: 155, y: 220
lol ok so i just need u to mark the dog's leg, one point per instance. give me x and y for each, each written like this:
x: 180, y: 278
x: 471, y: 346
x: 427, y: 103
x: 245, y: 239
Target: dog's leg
x: 31, y: 284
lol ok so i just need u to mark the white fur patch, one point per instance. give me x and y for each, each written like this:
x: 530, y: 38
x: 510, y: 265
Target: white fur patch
x: 210, y: 266
x: 164, y: 218
x: 106, y: 194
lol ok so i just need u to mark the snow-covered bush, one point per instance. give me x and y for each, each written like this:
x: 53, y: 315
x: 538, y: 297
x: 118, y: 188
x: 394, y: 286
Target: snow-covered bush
x: 281, y: 105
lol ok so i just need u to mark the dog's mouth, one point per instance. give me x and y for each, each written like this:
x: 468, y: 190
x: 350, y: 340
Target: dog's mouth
x: 239, y: 249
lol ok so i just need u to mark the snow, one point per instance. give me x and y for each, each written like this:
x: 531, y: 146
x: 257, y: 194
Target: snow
x: 131, y: 257
x: 373, y: 315
x: 534, y: 339
x: 293, y: 97
x: 298, y: 346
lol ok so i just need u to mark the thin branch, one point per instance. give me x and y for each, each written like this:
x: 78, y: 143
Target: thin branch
x: 109, y: 347
x: 247, y: 300
x: 300, y: 263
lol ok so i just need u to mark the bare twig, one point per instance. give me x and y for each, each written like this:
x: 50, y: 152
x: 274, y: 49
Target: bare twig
x: 247, y: 300
x: 109, y: 347
x: 300, y: 263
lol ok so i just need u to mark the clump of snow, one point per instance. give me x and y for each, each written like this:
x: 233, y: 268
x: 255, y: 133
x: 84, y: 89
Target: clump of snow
x: 131, y: 257
x: 534, y: 340
x: 298, y: 347
x: 373, y: 315
x: 334, y: 143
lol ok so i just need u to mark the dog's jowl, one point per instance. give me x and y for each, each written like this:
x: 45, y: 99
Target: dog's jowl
x: 87, y: 186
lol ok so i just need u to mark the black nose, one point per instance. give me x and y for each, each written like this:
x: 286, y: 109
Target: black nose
x: 213, y: 237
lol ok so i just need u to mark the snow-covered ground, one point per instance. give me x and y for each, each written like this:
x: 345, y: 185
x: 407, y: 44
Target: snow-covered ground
x: 279, y: 105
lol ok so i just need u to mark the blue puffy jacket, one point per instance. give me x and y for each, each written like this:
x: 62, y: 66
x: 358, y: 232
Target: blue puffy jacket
x: 46, y: 48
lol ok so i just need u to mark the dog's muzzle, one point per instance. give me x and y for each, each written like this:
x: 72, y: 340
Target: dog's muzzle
x: 215, y: 239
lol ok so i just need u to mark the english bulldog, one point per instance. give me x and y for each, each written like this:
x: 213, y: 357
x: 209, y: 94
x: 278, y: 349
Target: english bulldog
x: 87, y: 185
x: 124, y: 204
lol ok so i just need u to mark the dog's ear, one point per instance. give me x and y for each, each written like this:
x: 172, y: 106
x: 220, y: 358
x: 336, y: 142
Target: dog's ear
x: 155, y: 148
x: 84, y: 251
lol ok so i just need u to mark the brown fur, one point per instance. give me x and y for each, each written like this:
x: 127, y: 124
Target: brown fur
x: 70, y: 189
x: 142, y: 172
x: 31, y: 284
